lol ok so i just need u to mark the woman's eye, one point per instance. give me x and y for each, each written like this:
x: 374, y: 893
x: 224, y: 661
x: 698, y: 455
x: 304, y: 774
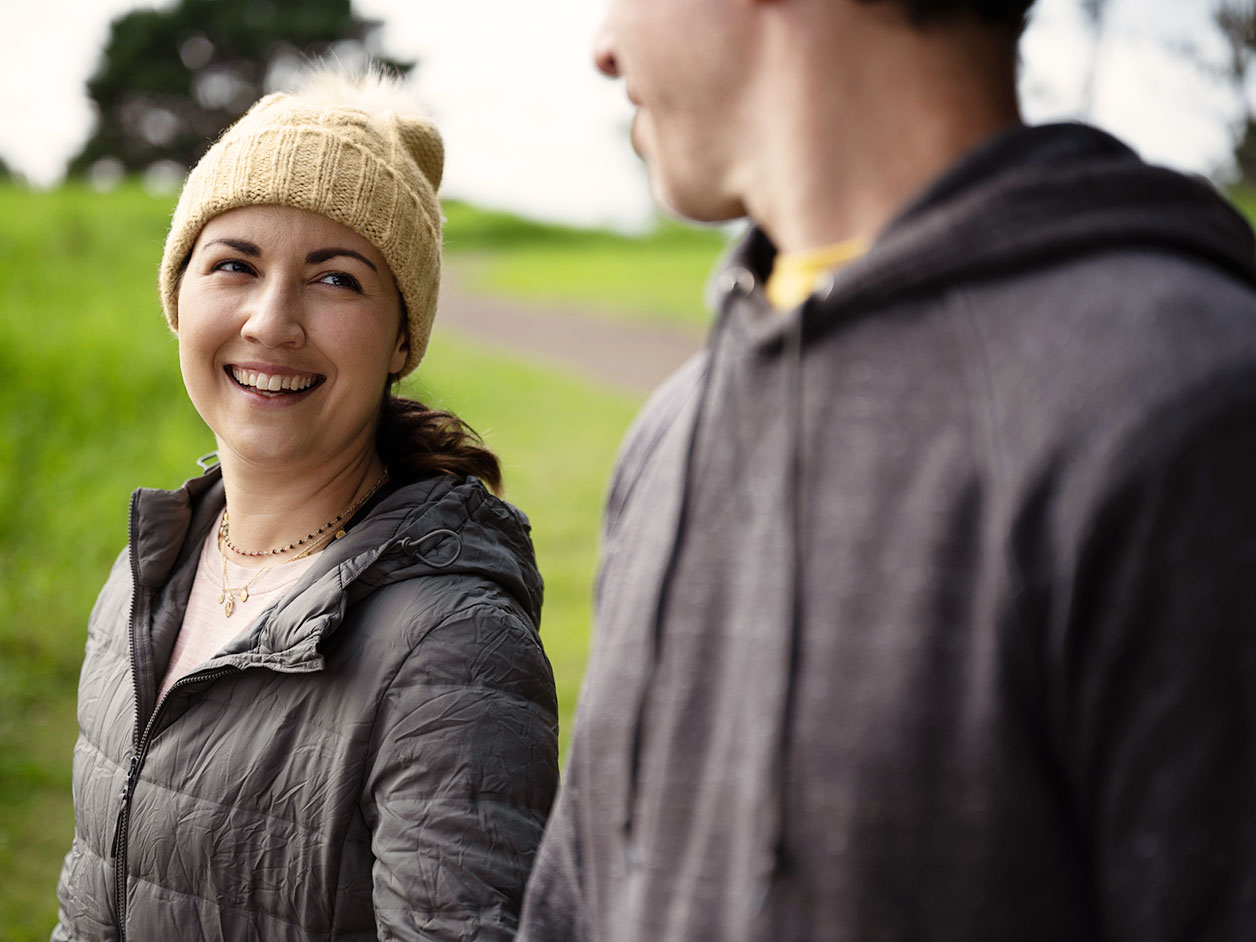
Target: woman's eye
x: 233, y: 266
x: 341, y: 280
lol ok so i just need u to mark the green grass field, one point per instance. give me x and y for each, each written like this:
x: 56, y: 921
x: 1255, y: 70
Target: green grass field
x: 92, y: 406
x: 659, y: 278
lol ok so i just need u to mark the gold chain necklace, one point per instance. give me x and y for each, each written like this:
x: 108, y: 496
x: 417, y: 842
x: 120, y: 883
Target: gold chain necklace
x: 228, y: 597
x: 224, y: 529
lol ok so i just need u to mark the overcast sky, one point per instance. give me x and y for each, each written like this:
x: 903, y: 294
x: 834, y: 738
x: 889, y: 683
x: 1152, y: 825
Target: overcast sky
x: 530, y: 126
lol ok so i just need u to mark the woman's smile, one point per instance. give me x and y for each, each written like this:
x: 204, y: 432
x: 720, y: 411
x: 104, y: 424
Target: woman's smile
x: 272, y: 383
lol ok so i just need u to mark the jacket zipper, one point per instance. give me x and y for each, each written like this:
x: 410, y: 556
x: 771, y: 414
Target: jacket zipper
x: 121, y: 834
x: 133, y: 766
x: 139, y: 743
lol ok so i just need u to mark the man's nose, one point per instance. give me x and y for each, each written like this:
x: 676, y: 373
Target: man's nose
x: 604, y: 53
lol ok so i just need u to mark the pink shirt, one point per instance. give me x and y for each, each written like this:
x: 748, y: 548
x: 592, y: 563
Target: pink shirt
x: 206, y: 626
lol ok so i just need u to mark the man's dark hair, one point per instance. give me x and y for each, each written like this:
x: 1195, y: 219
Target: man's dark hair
x: 1011, y: 13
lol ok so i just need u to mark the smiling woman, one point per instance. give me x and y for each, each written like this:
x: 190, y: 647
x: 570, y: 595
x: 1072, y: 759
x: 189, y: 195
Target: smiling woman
x: 314, y: 702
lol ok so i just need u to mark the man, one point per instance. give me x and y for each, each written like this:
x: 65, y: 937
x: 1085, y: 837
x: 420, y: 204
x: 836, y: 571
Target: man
x: 928, y: 601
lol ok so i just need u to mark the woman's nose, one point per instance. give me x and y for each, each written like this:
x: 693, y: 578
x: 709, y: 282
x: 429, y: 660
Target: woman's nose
x: 273, y: 315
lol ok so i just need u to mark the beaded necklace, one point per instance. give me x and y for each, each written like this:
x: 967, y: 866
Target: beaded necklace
x: 224, y: 530
x: 229, y: 597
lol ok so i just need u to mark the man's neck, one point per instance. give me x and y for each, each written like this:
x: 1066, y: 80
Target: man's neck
x: 847, y: 142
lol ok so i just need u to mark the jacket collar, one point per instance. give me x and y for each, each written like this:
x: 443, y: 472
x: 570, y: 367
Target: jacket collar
x: 438, y: 525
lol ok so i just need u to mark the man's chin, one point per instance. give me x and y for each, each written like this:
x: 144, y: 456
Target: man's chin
x: 686, y: 199
x: 635, y: 133
x: 693, y: 205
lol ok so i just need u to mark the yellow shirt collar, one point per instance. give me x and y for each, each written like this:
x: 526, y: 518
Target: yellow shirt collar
x: 794, y: 274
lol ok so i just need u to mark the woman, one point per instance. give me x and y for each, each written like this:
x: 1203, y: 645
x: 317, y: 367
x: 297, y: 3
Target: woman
x: 314, y: 703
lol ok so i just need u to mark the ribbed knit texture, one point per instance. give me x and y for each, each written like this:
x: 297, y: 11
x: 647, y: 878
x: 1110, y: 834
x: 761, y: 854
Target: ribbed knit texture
x: 376, y: 172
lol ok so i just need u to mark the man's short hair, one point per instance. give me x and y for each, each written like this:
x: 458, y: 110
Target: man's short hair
x: 1010, y: 13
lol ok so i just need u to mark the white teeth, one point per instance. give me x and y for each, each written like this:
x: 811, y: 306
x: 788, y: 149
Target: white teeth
x: 272, y: 382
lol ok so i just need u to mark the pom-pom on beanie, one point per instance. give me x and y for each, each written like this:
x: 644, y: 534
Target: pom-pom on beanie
x: 353, y: 148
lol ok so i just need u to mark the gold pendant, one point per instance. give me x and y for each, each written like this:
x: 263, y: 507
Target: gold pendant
x: 222, y: 595
x: 244, y: 593
x: 229, y: 606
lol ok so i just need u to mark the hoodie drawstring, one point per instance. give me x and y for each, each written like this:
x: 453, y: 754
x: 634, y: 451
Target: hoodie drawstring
x: 778, y: 804
x: 741, y: 281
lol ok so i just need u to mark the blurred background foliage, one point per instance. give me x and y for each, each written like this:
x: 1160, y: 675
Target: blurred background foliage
x: 171, y: 80
x: 1236, y: 21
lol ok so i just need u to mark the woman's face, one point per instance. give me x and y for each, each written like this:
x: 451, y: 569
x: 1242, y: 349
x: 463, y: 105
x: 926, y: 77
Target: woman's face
x: 289, y: 325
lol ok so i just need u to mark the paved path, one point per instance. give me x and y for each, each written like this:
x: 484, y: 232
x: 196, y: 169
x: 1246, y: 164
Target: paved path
x: 631, y: 357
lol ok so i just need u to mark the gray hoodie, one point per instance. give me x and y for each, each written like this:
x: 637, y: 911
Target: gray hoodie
x: 926, y: 609
x: 373, y: 758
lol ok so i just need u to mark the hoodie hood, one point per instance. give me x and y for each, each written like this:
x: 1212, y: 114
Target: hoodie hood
x: 1011, y: 204
x: 432, y: 527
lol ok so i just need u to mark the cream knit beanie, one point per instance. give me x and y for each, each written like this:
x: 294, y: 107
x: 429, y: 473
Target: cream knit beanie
x: 351, y: 148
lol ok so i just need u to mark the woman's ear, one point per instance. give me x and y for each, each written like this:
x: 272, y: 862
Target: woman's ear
x: 401, y: 353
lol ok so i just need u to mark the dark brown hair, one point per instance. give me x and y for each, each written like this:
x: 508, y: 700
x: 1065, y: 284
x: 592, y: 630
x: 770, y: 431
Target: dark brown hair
x: 1010, y: 13
x: 415, y: 442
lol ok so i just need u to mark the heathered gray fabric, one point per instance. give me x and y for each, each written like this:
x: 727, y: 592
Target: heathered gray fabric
x: 1009, y: 690
x: 376, y: 761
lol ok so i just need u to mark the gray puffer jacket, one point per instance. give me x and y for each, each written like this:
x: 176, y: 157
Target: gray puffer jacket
x: 374, y: 757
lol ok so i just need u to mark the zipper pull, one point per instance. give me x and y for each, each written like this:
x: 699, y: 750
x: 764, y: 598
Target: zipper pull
x: 117, y: 833
x: 128, y: 789
x: 124, y: 799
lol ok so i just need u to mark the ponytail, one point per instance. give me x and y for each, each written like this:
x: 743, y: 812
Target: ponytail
x: 415, y: 442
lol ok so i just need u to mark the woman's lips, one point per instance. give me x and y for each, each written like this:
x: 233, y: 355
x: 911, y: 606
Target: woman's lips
x: 272, y: 383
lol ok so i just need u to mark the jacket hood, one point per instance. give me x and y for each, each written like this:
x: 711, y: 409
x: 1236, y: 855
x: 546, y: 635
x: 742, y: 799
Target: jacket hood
x: 1012, y: 203
x: 437, y: 526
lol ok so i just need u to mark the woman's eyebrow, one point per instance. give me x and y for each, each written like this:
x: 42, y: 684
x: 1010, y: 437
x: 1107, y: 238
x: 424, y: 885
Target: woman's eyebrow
x: 247, y: 248
x: 322, y: 255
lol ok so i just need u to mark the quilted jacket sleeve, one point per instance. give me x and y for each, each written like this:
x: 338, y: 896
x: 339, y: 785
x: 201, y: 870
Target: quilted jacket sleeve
x: 462, y: 773
x: 555, y: 908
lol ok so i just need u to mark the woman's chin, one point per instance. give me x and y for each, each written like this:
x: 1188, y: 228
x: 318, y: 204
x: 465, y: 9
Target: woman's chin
x: 269, y: 451
x: 291, y: 456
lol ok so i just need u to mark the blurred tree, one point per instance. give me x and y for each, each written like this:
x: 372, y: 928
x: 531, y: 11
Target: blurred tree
x: 1237, y: 21
x: 171, y: 80
x: 1095, y: 12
